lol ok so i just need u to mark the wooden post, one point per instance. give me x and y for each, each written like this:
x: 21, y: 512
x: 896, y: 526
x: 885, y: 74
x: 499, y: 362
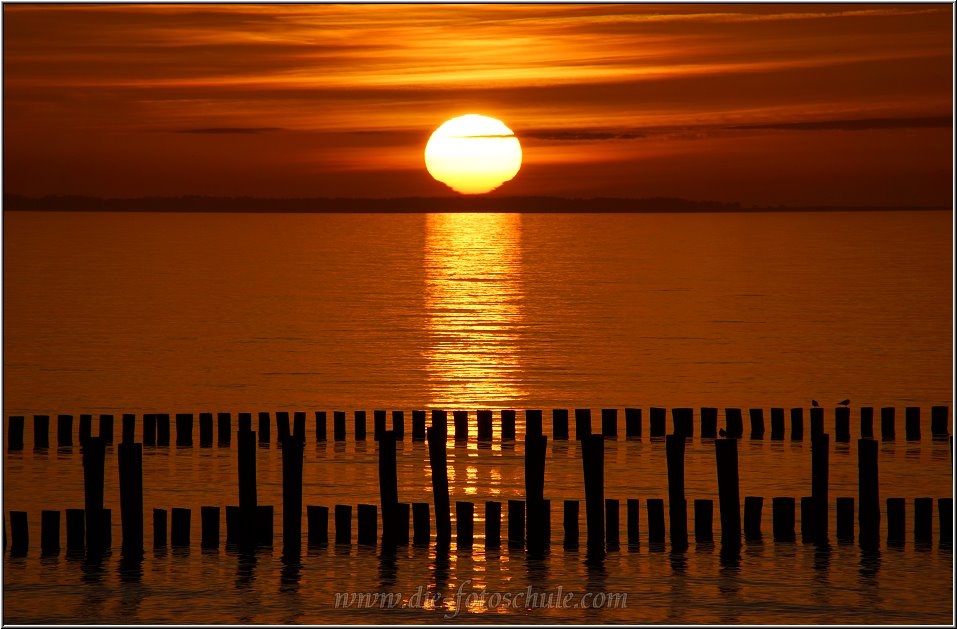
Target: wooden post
x: 756, y: 415
x: 733, y: 423
x: 593, y: 466
x: 130, y: 459
x: 484, y: 420
x: 246, y: 463
x: 938, y: 422
x: 657, y: 422
x: 535, y: 446
x: 367, y: 521
x: 440, y: 421
x: 75, y: 531
x: 398, y: 425
x: 162, y: 430
x: 632, y: 508
x: 318, y: 520
x: 464, y: 525
x: 418, y: 431
x: 842, y: 424
x: 912, y: 423
x: 264, y: 427
x: 401, y: 523
x: 632, y: 423
x: 703, y: 521
x: 85, y: 430
x: 106, y: 429
x: 797, y: 424
x: 343, y: 524
x: 817, y: 422
x: 19, y: 534
x: 867, y: 422
x: 179, y: 527
x: 896, y: 525
x: 560, y: 424
x: 339, y: 425
x: 41, y: 432
x: 107, y: 529
x: 461, y: 421
x: 245, y: 422
x: 378, y: 424
x: 845, y: 519
x: 129, y: 428
x: 570, y: 522
x: 777, y: 424
x: 677, y: 505
x: 870, y: 508
x: 683, y: 421
x: 609, y: 422
x: 508, y: 425
x: 752, y: 518
x: 232, y: 525
x: 807, y: 519
x: 224, y: 427
x: 945, y: 510
x: 887, y: 424
x: 440, y: 483
x: 612, y: 527
x: 421, y: 523
x: 94, y: 453
x: 709, y: 422
x: 282, y: 427
x: 264, y: 525
x: 64, y: 431
x: 820, y: 447
x: 388, y: 488
x: 726, y: 456
x: 159, y: 528
x: 299, y: 426
x: 656, y: 520
x: 493, y: 524
x: 320, y: 426
x: 923, y: 521
x: 184, y: 429
x: 149, y: 429
x: 782, y: 512
x: 516, y: 523
x: 533, y: 422
x: 582, y: 423
x: 205, y: 430
x: 49, y: 532
x: 15, y: 433
x: 210, y: 523
x: 292, y: 451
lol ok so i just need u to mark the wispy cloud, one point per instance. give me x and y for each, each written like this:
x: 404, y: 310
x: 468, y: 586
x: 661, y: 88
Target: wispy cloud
x: 230, y: 130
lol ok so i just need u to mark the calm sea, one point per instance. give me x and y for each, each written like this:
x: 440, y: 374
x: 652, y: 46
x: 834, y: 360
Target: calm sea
x: 123, y: 313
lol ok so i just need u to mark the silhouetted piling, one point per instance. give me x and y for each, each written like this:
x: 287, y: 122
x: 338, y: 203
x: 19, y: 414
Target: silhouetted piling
x: 570, y: 524
x: 210, y: 527
x: 807, y: 519
x: 464, y: 524
x: 264, y: 427
x: 149, y: 429
x: 709, y: 422
x: 15, y: 433
x: 367, y: 520
x: 418, y: 426
x: 245, y: 422
x: 938, y: 421
x: 130, y: 458
x: 483, y: 420
x: 440, y: 421
x: 292, y: 451
x: 388, y: 488
x: 232, y: 525
x: 593, y: 465
x: 817, y: 422
x: 777, y: 424
x: 421, y: 523
x: 888, y: 428
x: 533, y: 422
x: 282, y: 427
x: 264, y: 525
x: 560, y: 424
x: 752, y: 517
x: 756, y: 415
x: 179, y: 527
x: 656, y: 422
x: 49, y: 532
x: 378, y: 424
x: 129, y: 428
x: 461, y: 421
x: 867, y: 422
x: 94, y: 453
x: 842, y: 424
x: 64, y: 431
x: 205, y: 430
x: 440, y: 483
x: 734, y: 423
x: 162, y: 430
x: 107, y: 529
x: 106, y: 429
x: 184, y: 429
x: 493, y: 524
x: 299, y: 426
x: 86, y: 428
x: 923, y: 520
x: 869, y: 513
x: 75, y: 530
x: 726, y: 456
x: 343, y: 514
x: 317, y: 517
x: 224, y: 428
x: 845, y: 519
x: 820, y: 449
x: 398, y: 425
x: 945, y: 509
x: 19, y: 534
x: 782, y: 513
x: 535, y: 447
x: 320, y: 426
x: 797, y: 424
x: 677, y: 505
x: 912, y: 423
x: 609, y: 422
x: 632, y: 423
x: 159, y: 528
x: 41, y: 432
x: 612, y: 526
x: 632, y: 507
x: 582, y: 423
x: 656, y: 520
x: 703, y: 521
x: 683, y: 421
x: 516, y: 523
x: 896, y: 523
x: 508, y: 425
x: 339, y: 425
x: 247, y: 488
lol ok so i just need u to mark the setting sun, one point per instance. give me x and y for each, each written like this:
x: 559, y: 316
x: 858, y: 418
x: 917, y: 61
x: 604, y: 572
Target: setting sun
x: 473, y: 154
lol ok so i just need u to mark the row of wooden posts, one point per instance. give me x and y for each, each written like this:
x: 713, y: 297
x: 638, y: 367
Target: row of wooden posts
x: 251, y: 523
x: 156, y: 426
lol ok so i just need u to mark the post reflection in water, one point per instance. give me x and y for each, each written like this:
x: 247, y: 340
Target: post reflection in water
x: 475, y: 316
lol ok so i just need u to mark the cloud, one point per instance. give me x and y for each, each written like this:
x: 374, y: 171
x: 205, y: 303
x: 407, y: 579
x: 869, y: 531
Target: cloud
x: 230, y: 130
x: 863, y: 124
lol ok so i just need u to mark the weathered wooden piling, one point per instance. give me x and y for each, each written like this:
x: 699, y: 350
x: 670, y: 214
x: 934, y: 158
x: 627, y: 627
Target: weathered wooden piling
x: 752, y: 517
x: 820, y: 452
x: 593, y: 466
x: 64, y: 431
x: 869, y: 513
x: 923, y: 520
x: 845, y: 519
x: 162, y: 430
x: 149, y: 429
x: 130, y: 459
x: 777, y: 424
x: 317, y: 517
x: 264, y: 427
x: 94, y: 453
x: 726, y: 456
x: 367, y: 521
x: 401, y: 524
x: 570, y: 524
x: 632, y: 423
x: 398, y: 425
x: 224, y: 429
x: 264, y: 525
x: 703, y: 521
x: 938, y: 422
x: 388, y: 488
x: 85, y: 429
x: 632, y: 508
x: 378, y: 424
x: 912, y: 423
x: 817, y: 421
x: 533, y: 422
x: 709, y: 422
x: 106, y: 429
x: 867, y: 422
x: 535, y: 448
x: 129, y: 428
x: 421, y: 523
x: 209, y: 533
x: 677, y: 505
x: 339, y: 425
x: 508, y: 424
x: 656, y: 520
x: 232, y: 525
x: 159, y: 528
x: 582, y: 423
x: 842, y: 424
x: 15, y: 433
x: 609, y: 422
x: 282, y: 427
x: 440, y: 483
x: 807, y: 519
x: 320, y: 426
x: 440, y: 421
x: 19, y: 534
x: 179, y: 527
x: 107, y: 530
x: 656, y: 422
x: 516, y: 523
x: 49, y: 532
x: 292, y: 451
x: 896, y: 523
x: 560, y: 424
x: 41, y: 432
x: 483, y: 420
x: 612, y: 526
x: 683, y: 421
x: 756, y: 415
x: 797, y: 424
x: 461, y: 421
x: 75, y: 530
x: 245, y: 422
x: 205, y: 430
x: 299, y: 426
x: 733, y: 423
x: 945, y: 509
x: 184, y: 429
x: 888, y: 420
x: 782, y: 514
x: 418, y: 426
x: 464, y: 524
x: 247, y: 488
x: 493, y: 524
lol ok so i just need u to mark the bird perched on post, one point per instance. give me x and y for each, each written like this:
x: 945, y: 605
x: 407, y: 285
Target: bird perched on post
x: 844, y: 403
x: 814, y: 403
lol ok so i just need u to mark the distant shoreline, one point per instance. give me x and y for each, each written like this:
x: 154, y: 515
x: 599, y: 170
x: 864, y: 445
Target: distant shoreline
x: 411, y: 205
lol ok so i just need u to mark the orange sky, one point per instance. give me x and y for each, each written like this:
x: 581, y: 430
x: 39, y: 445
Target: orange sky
x: 762, y: 104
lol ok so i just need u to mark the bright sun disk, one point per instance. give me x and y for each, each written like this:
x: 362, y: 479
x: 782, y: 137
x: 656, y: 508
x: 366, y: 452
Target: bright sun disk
x: 473, y: 154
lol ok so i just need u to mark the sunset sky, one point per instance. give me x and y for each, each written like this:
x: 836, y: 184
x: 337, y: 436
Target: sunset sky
x: 761, y: 104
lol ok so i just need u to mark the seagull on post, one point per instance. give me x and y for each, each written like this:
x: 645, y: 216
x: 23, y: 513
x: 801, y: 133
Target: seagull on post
x: 844, y: 403
x: 814, y: 403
